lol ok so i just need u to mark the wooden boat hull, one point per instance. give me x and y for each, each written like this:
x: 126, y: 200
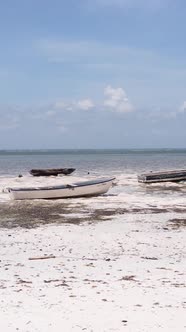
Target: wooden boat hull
x: 165, y: 176
x: 51, y: 171
x: 79, y: 189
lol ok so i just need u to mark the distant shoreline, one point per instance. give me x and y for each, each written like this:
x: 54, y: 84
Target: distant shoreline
x: 91, y: 151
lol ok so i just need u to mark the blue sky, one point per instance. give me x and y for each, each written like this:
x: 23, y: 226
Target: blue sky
x: 92, y: 74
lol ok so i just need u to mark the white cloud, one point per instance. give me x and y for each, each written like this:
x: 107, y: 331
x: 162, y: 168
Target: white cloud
x: 116, y: 99
x: 139, y: 4
x: 60, y: 104
x: 85, y: 104
x: 89, y: 52
x: 61, y: 128
x: 183, y: 107
x: 9, y: 125
x: 66, y: 51
x: 51, y: 113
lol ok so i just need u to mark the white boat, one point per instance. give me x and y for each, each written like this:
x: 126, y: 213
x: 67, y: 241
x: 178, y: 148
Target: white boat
x: 78, y: 189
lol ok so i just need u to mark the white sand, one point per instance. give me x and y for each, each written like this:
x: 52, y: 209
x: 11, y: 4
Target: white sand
x: 119, y: 275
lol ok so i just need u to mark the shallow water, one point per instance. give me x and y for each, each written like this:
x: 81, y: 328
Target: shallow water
x: 126, y: 197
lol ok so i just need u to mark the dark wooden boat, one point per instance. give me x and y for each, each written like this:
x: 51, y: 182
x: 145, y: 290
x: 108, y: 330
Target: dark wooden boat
x: 51, y: 171
x: 164, y: 176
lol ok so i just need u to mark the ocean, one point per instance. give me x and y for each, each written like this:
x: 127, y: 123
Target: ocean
x: 126, y: 197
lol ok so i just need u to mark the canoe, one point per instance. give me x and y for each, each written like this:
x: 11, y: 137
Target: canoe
x: 163, y: 176
x: 51, y: 171
x: 78, y: 189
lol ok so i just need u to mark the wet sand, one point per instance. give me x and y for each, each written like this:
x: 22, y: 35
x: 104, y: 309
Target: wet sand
x: 29, y: 214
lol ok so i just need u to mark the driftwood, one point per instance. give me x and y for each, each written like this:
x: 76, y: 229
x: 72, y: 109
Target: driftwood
x: 42, y: 257
x: 51, y: 171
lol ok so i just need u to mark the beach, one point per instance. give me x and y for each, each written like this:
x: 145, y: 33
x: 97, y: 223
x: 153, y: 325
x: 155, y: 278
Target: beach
x: 108, y: 276
x: 115, y: 262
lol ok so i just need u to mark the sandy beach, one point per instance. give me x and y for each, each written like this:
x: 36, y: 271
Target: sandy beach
x: 121, y: 274
x: 115, y: 262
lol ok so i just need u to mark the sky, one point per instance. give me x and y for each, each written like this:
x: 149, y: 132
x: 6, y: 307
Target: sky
x: 92, y: 74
